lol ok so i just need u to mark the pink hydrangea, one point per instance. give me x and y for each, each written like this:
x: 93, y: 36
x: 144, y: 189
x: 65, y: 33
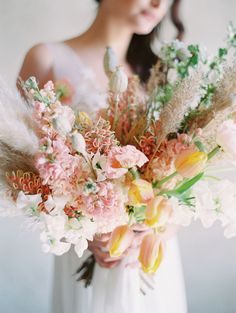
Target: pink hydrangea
x: 120, y: 159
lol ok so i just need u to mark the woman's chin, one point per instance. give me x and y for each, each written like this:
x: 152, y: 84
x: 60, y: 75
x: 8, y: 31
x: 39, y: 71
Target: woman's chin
x: 143, y: 28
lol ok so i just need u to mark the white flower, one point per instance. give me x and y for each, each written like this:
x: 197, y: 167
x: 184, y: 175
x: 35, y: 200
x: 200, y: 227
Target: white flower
x: 226, y: 137
x: 28, y: 203
x: 81, y: 246
x: 230, y: 229
x: 89, y: 228
x: 99, y: 165
x: 52, y: 245
x: 183, y: 53
x: 205, y: 204
x: 55, y: 225
x: 79, y: 232
x: 55, y: 204
x: 182, y: 214
x: 216, y: 201
x: 77, y: 229
x: 172, y: 76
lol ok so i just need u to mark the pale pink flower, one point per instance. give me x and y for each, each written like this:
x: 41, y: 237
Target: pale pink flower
x: 57, y: 169
x: 106, y: 205
x: 120, y: 159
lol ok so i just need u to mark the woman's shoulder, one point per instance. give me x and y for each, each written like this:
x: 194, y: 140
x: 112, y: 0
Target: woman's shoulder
x: 38, y: 62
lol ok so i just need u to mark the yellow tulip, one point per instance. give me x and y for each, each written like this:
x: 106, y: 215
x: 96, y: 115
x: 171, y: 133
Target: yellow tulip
x: 120, y: 240
x: 140, y: 191
x: 151, y: 253
x: 189, y: 163
x: 158, y: 212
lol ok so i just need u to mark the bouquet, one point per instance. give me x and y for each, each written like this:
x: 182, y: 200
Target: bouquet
x: 151, y: 157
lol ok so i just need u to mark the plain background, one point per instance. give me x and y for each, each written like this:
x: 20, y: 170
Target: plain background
x: 209, y: 259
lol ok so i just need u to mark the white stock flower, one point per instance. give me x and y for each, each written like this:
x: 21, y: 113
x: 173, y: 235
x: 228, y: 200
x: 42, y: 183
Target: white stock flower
x: 226, y: 137
x: 230, y: 229
x: 55, y: 225
x: 53, y: 245
x: 81, y: 246
x: 182, y: 214
x: 216, y: 201
x: 55, y: 204
x: 205, y: 204
x: 79, y: 232
x: 28, y: 203
x: 99, y: 165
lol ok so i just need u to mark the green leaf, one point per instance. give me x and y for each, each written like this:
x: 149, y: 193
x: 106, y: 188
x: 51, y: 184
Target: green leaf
x: 187, y: 185
x: 222, y: 52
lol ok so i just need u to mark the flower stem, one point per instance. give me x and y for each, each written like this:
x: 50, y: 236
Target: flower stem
x: 213, y: 152
x: 164, y: 180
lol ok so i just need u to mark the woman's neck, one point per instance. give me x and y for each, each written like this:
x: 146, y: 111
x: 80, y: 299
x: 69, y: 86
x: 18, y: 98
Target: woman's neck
x: 108, y: 31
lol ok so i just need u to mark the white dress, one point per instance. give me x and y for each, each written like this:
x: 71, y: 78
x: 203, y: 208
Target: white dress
x: 113, y: 290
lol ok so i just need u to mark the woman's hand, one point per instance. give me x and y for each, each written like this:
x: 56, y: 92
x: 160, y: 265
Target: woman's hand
x: 99, y: 247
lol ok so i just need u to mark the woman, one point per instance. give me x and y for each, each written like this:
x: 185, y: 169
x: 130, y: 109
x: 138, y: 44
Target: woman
x: 128, y: 26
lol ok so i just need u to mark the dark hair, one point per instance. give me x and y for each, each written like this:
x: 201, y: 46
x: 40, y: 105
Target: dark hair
x: 140, y: 55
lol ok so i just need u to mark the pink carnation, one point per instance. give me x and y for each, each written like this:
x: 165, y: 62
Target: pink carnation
x: 120, y: 159
x: 106, y: 206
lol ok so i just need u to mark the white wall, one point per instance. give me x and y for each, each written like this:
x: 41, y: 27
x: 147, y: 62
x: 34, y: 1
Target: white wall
x: 25, y: 273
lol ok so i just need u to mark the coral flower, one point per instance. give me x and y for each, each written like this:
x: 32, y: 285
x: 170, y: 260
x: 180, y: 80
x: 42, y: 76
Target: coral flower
x: 120, y: 240
x: 158, y: 212
x: 189, y: 163
x: 140, y: 191
x: 151, y: 253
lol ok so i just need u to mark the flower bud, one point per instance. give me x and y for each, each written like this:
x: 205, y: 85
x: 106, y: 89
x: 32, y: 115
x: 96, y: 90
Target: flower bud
x: 189, y: 163
x: 78, y: 143
x: 158, y: 212
x: 118, y: 81
x: 151, y: 253
x: 140, y: 191
x: 120, y: 240
x: 109, y: 62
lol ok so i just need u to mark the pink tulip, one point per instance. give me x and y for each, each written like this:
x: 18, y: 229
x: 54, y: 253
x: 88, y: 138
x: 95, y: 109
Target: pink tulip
x: 151, y: 253
x: 120, y: 240
x: 158, y: 212
x: 190, y: 163
x: 140, y: 191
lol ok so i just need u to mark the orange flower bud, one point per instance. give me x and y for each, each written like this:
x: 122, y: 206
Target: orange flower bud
x: 140, y: 191
x: 158, y: 212
x: 120, y: 240
x: 189, y: 163
x: 151, y: 253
